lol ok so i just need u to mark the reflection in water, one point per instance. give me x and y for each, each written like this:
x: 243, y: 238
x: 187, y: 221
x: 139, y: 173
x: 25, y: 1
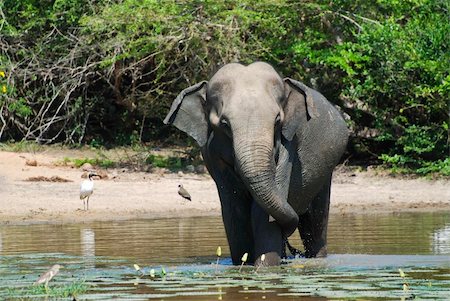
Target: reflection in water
x: 189, y: 240
x: 87, y: 241
x: 407, y: 233
x: 441, y: 240
x: 103, y: 253
x: 87, y: 236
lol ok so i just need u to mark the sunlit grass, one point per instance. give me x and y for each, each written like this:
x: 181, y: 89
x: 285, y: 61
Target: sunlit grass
x: 140, y: 157
x: 53, y: 290
x: 78, y: 162
x: 22, y: 146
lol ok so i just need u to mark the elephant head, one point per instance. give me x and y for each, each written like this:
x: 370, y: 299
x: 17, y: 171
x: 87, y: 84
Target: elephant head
x: 254, y: 109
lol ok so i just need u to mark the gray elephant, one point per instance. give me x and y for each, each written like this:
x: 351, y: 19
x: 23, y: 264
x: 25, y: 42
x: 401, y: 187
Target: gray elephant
x: 270, y: 145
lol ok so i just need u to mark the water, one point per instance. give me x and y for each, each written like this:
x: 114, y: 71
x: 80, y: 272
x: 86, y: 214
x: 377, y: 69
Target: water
x: 365, y: 255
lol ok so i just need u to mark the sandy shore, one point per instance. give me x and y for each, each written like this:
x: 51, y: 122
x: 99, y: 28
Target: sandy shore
x: 126, y: 194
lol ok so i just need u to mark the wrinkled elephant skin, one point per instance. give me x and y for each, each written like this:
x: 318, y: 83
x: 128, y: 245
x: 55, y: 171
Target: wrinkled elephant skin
x: 270, y: 145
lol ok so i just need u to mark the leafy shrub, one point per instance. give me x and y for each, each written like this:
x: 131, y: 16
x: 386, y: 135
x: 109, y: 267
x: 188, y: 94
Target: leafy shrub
x: 104, y: 163
x: 392, y: 78
x: 106, y: 73
x: 164, y: 162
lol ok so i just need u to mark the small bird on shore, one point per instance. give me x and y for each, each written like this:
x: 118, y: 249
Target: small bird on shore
x: 86, y: 190
x: 48, y: 275
x: 183, y: 192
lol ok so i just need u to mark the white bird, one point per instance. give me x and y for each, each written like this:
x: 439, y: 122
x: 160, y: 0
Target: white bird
x: 47, y: 276
x: 183, y: 192
x: 86, y: 190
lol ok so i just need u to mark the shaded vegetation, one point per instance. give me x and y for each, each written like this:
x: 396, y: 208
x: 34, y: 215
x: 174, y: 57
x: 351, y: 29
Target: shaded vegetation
x: 104, y: 72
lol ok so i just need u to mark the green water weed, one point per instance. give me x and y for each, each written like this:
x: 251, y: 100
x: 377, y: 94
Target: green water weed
x: 72, y: 289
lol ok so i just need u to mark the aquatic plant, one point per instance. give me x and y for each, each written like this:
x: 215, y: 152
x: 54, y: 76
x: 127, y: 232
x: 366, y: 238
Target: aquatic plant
x: 138, y: 269
x: 218, y: 253
x: 56, y: 291
x: 403, y: 276
x: 317, y: 278
x: 263, y: 258
x: 244, y: 260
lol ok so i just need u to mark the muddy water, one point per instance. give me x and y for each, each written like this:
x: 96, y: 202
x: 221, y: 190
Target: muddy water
x: 365, y: 254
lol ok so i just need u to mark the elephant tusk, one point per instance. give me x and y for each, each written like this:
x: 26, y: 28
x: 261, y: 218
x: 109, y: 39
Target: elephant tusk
x: 271, y: 219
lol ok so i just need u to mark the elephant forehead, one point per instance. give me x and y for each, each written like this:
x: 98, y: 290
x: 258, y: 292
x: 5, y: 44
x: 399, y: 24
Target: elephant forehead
x: 256, y: 87
x: 251, y: 102
x: 234, y: 73
x: 246, y: 85
x: 246, y: 99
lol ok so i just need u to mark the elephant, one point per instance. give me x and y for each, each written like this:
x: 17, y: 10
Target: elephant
x: 270, y: 144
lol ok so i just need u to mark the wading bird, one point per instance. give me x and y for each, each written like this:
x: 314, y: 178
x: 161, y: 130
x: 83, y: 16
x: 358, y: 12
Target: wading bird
x: 47, y: 276
x: 86, y: 190
x: 183, y: 192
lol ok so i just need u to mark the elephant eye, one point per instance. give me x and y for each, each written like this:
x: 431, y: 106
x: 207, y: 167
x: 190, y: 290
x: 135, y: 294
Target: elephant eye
x: 224, y: 122
x: 278, y: 120
x: 225, y: 127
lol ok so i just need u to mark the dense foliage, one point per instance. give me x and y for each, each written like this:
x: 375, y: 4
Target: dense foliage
x: 106, y: 71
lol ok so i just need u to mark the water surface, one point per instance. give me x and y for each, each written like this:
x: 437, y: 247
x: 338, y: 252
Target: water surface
x: 366, y: 252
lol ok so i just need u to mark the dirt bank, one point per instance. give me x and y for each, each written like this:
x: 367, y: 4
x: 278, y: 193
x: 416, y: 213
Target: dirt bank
x: 128, y: 194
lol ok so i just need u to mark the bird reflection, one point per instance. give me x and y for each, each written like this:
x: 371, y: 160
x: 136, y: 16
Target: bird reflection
x: 87, y: 238
x: 440, y: 240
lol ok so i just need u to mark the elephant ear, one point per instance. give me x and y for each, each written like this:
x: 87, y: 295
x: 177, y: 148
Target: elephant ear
x: 298, y: 107
x: 188, y: 112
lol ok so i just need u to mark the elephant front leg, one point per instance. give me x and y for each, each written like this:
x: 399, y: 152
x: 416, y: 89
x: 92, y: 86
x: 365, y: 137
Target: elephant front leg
x: 235, y: 216
x: 314, y: 222
x: 234, y: 199
x: 267, y: 238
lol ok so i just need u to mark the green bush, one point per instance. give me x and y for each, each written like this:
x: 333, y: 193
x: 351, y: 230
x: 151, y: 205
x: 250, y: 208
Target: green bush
x: 104, y: 163
x: 173, y: 163
x: 392, y: 78
x: 106, y: 72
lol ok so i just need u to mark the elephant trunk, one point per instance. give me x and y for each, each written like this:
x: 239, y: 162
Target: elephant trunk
x: 256, y: 165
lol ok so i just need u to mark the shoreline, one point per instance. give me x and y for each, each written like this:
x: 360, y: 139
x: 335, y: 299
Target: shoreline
x: 128, y: 194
